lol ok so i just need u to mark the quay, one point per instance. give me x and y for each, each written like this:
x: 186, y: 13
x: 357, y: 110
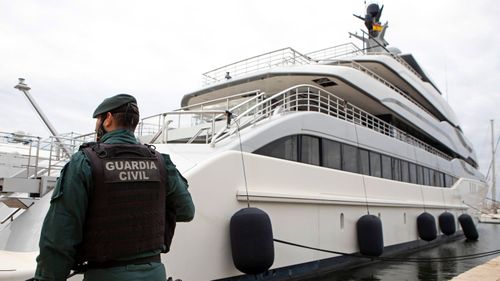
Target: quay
x: 489, y: 271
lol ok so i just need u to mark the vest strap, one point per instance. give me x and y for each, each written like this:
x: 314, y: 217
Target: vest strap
x: 108, y: 264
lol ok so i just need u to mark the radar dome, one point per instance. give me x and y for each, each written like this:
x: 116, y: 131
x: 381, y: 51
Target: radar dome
x: 373, y: 9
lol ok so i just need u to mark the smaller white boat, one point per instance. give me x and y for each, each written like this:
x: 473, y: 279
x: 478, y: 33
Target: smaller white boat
x: 489, y: 218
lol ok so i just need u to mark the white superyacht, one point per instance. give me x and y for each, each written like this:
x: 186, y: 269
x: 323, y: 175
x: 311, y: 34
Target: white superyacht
x: 303, y: 148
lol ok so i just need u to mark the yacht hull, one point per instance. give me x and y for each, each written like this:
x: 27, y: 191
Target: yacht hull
x: 321, y: 213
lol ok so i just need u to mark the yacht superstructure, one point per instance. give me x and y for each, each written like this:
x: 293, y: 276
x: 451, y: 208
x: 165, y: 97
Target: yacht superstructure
x: 315, y: 140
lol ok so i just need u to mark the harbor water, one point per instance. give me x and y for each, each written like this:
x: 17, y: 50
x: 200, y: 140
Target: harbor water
x: 489, y: 240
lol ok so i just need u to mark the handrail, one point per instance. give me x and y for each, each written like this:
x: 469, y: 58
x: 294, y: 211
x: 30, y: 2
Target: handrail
x: 228, y: 98
x: 43, y: 156
x: 311, y: 98
x: 11, y: 216
x: 285, y: 56
x: 374, y: 75
x: 163, y: 129
x: 343, y: 50
x: 335, y: 52
x: 220, y: 113
x: 400, y: 60
x: 198, y: 134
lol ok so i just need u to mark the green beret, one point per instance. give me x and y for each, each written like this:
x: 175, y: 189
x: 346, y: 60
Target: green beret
x: 112, y: 103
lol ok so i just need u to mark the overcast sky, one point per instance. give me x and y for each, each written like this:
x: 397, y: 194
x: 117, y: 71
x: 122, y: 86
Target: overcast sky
x: 75, y: 53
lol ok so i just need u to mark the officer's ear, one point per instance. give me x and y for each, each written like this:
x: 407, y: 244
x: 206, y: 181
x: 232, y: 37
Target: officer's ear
x: 108, y: 120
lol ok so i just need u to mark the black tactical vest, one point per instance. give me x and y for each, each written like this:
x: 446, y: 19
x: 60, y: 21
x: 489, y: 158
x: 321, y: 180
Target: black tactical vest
x: 126, y: 213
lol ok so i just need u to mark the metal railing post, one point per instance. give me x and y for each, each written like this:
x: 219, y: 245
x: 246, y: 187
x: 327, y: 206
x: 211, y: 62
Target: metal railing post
x: 50, y: 155
x: 37, y: 157
x: 29, y: 160
x: 213, y: 128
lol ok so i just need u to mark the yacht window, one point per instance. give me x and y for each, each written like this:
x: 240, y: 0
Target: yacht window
x: 375, y: 165
x: 396, y: 169
x: 283, y: 148
x: 405, y: 172
x: 331, y: 154
x: 349, y: 158
x: 420, y: 174
x: 386, y: 167
x: 309, y: 152
x: 448, y: 181
x: 426, y: 176
x: 364, y: 161
x: 413, y: 173
x: 432, y: 178
x: 439, y: 178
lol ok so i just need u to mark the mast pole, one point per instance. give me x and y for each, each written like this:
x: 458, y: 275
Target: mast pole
x: 25, y: 89
x: 493, y: 178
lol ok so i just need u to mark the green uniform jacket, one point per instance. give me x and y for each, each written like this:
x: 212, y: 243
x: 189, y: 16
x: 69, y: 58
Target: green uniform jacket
x: 62, y: 229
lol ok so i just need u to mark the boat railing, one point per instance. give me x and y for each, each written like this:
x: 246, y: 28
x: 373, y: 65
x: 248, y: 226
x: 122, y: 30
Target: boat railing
x: 312, y: 98
x: 289, y: 56
x: 39, y: 156
x: 35, y: 175
x: 225, y: 102
x: 400, y: 60
x: 342, y: 50
x: 57, y: 155
x: 282, y: 57
x: 374, y: 75
x: 350, y: 49
x: 26, y: 149
x: 201, y: 115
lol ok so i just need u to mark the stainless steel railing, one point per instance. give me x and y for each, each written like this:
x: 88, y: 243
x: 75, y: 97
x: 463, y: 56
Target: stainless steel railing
x: 260, y: 106
x: 282, y: 57
x: 41, y: 156
x: 202, y: 115
x: 374, y: 75
x: 400, y: 60
x: 312, y: 98
x: 343, y: 50
x: 349, y: 49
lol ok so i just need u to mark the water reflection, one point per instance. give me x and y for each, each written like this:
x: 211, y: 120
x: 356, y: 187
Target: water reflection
x: 426, y: 271
x: 448, y: 269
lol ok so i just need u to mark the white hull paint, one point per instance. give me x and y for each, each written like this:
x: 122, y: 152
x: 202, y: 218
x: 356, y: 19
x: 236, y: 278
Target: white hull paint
x: 301, y: 211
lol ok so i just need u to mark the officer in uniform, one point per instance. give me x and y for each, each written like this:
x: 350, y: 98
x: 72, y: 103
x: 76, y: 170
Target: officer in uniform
x: 115, y: 205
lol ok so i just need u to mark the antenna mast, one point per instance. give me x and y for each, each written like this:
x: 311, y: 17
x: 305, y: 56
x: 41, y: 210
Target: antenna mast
x: 493, y: 178
x: 21, y: 86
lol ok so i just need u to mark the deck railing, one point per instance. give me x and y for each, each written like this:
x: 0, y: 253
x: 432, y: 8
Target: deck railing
x: 374, y: 75
x: 282, y: 57
x: 312, y: 98
x: 400, y: 60
x: 202, y: 116
x: 41, y: 156
x: 214, y: 126
x: 335, y: 52
x: 349, y: 49
x: 289, y: 56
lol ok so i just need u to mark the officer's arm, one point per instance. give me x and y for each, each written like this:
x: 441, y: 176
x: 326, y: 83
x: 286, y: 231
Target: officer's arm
x: 62, y: 227
x: 178, y: 195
